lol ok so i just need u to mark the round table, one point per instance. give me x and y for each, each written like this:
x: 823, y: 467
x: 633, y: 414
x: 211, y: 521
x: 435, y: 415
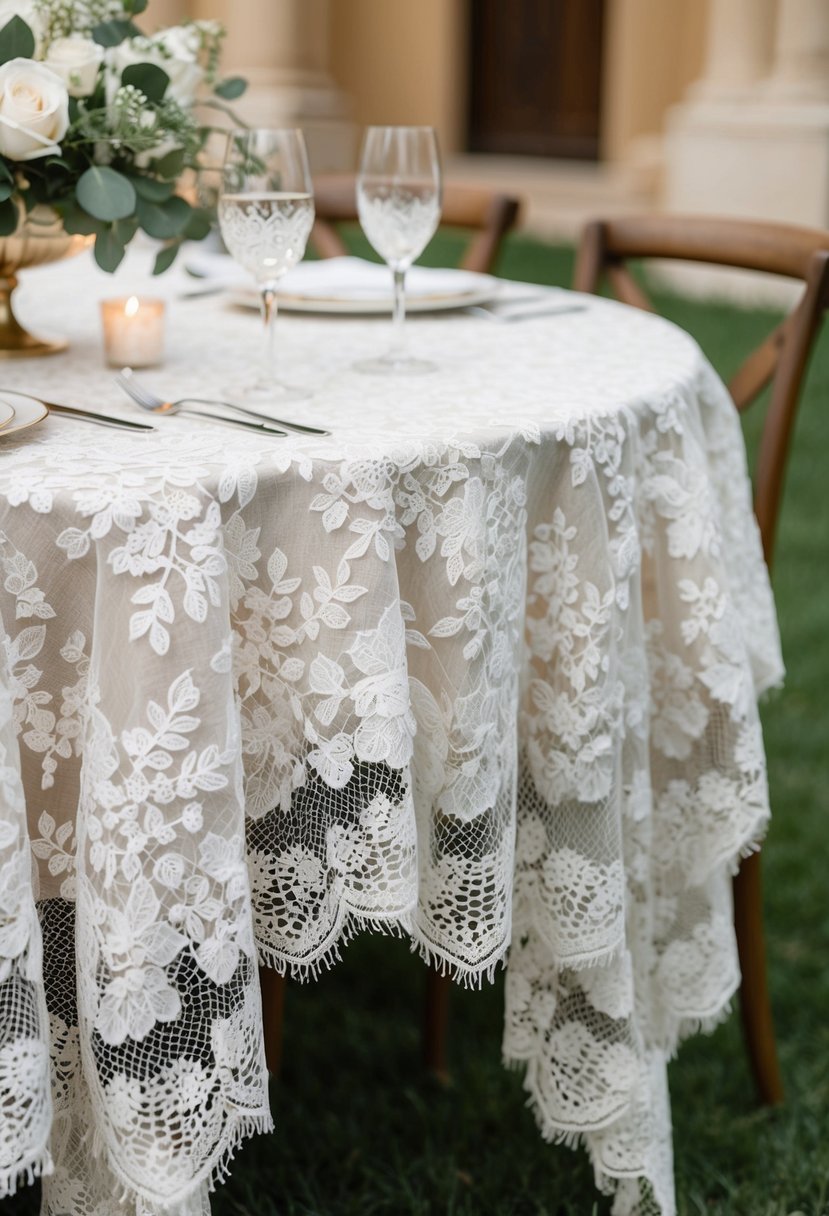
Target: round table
x: 481, y: 667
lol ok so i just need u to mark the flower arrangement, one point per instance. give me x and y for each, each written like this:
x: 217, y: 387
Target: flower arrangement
x: 98, y: 121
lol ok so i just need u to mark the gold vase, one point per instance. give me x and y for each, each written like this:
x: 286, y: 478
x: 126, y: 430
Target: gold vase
x: 39, y: 239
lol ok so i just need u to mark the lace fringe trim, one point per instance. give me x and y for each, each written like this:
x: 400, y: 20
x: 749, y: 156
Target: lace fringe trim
x: 214, y: 1172
x: 244, y: 1127
x: 39, y: 1165
x: 402, y: 925
x: 350, y: 924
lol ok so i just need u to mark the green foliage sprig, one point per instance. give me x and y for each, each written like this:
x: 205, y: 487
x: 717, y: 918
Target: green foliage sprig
x: 130, y: 134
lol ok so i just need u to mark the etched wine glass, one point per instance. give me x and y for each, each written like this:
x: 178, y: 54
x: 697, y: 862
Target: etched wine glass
x: 398, y: 202
x: 266, y: 212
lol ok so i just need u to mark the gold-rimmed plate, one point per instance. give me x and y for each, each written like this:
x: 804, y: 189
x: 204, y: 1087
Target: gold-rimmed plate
x: 6, y: 413
x: 26, y: 412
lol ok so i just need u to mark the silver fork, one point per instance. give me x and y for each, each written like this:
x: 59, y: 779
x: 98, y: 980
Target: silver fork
x: 150, y: 401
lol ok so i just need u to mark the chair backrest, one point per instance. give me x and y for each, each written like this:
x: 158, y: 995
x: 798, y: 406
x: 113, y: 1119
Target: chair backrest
x: 490, y: 215
x: 798, y: 253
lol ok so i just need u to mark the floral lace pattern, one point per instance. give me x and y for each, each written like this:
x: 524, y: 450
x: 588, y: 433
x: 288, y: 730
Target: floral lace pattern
x: 485, y: 675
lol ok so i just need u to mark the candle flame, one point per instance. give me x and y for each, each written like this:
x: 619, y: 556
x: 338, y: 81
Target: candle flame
x: 131, y: 306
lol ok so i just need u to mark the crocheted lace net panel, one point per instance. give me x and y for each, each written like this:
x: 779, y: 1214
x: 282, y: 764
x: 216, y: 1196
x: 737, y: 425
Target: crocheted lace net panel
x: 488, y: 687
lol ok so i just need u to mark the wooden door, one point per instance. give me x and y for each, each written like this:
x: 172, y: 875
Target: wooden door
x: 535, y: 77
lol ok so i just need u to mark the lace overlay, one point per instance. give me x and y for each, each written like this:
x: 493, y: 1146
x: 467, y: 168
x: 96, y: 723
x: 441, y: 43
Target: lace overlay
x: 482, y: 667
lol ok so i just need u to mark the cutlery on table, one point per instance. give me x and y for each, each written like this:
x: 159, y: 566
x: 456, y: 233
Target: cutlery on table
x: 498, y: 314
x: 150, y: 401
x: 71, y: 411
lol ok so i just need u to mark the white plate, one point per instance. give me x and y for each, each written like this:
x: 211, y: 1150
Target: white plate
x: 6, y: 413
x: 343, y: 306
x: 27, y: 412
x: 354, y: 286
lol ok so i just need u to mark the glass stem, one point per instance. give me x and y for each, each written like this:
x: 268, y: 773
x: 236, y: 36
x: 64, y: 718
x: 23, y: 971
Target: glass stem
x: 269, y: 318
x: 398, y: 341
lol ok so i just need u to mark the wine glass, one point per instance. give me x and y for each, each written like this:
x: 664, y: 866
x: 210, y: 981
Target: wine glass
x: 398, y: 202
x: 266, y: 212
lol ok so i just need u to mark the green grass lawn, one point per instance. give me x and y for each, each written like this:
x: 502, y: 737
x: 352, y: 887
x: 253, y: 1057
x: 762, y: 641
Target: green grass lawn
x: 362, y: 1132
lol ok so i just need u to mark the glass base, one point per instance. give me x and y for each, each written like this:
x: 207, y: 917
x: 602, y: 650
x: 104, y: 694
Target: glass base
x: 395, y: 365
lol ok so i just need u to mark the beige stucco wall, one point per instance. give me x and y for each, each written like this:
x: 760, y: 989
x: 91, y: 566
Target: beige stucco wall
x: 654, y: 50
x: 403, y: 62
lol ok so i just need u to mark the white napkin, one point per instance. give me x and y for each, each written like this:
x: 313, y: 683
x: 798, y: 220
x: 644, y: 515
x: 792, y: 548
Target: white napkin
x: 340, y: 278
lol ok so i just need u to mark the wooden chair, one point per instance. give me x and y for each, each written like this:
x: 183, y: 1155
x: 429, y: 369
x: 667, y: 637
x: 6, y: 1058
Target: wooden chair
x: 780, y: 361
x: 490, y: 215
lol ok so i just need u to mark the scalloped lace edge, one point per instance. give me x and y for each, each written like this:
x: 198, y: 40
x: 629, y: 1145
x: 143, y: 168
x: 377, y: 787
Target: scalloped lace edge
x: 351, y: 923
x: 214, y: 1171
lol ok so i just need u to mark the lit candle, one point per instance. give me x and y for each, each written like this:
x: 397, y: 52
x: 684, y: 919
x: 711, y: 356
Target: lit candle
x: 133, y: 331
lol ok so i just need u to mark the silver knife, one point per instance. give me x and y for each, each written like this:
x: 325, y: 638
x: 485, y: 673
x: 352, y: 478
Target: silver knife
x: 70, y: 411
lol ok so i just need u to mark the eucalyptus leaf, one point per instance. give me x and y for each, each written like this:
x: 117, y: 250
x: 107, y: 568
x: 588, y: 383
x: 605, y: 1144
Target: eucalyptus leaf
x: 109, y: 249
x: 166, y: 256
x: 16, y: 41
x: 78, y: 222
x: 148, y: 78
x: 171, y: 165
x: 153, y: 190
x: 6, y: 190
x: 198, y: 225
x: 113, y: 33
x: 105, y: 193
x: 231, y: 88
x: 134, y: 7
x: 8, y: 217
x: 125, y: 230
x: 164, y: 220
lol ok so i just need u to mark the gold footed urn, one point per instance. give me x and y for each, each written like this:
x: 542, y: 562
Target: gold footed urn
x: 39, y: 239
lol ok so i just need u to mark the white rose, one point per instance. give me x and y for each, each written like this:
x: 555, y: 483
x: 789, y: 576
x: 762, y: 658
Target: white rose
x: 172, y: 51
x: 76, y: 60
x: 34, y: 110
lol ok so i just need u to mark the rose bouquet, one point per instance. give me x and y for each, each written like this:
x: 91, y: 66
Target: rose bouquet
x: 98, y: 121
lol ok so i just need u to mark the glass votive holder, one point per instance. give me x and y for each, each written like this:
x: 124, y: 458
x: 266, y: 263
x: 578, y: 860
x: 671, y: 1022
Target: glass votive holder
x: 133, y: 331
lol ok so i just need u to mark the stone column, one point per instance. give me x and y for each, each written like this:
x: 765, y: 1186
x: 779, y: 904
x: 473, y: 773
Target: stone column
x: 281, y: 47
x: 801, y: 52
x: 738, y: 50
x: 751, y: 140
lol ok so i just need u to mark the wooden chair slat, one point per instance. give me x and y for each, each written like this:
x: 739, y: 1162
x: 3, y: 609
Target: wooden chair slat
x: 758, y: 369
x: 626, y: 288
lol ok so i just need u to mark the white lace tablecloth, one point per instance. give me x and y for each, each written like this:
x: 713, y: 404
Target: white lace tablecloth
x: 482, y: 667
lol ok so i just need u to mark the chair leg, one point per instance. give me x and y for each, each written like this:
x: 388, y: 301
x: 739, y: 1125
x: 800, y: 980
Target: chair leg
x: 272, y: 985
x: 436, y: 1023
x: 755, y: 1006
